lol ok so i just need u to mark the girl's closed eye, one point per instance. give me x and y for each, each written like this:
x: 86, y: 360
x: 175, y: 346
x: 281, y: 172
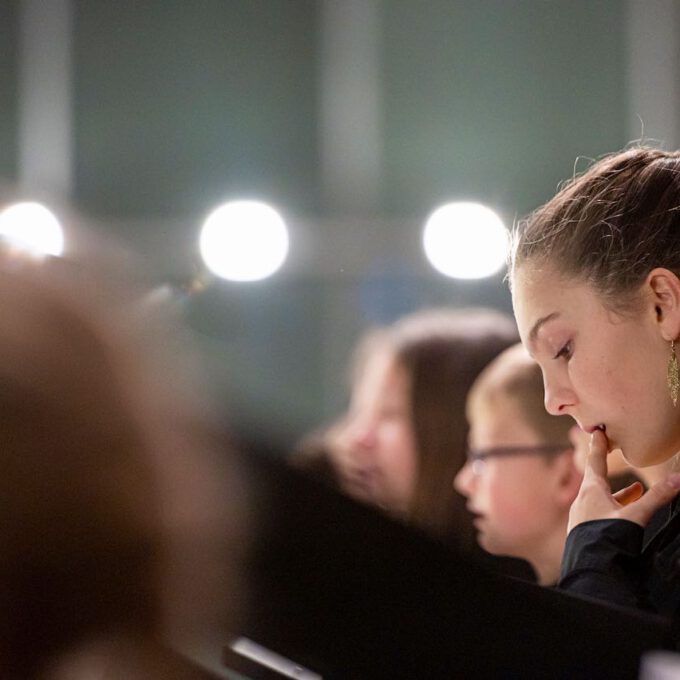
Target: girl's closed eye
x: 565, y: 352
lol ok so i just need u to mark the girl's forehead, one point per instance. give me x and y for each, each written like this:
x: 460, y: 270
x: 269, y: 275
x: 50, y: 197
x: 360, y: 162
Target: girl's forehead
x: 543, y: 295
x: 528, y: 280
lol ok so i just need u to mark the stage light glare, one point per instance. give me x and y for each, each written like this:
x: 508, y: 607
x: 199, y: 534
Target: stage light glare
x: 244, y: 241
x: 31, y: 228
x: 465, y: 241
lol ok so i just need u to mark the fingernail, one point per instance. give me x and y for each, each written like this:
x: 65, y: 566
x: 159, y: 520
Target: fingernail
x: 674, y: 481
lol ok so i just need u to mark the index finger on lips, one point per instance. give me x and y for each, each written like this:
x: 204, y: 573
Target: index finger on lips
x: 596, y: 459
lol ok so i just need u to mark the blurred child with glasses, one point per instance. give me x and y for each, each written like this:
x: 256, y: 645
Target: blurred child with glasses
x: 521, y: 475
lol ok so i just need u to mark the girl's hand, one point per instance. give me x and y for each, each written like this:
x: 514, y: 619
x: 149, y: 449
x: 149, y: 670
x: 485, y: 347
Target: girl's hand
x: 596, y: 501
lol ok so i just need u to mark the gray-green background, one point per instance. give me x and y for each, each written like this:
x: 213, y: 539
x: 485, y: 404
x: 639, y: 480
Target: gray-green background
x: 177, y: 106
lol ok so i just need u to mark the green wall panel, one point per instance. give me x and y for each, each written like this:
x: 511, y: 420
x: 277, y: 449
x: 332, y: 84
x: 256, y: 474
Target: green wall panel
x: 180, y: 104
x: 494, y: 99
x: 8, y: 91
x: 262, y: 346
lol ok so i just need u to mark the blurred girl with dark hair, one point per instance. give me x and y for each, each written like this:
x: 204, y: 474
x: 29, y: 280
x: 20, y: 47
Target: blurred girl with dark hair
x: 405, y: 435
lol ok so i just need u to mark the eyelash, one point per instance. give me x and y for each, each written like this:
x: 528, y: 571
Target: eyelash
x: 565, y: 352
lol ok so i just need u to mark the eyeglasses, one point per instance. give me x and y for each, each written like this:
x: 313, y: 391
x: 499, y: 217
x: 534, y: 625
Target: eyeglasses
x: 477, y: 457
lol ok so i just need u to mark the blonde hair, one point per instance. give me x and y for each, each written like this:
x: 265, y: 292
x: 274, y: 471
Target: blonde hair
x: 516, y: 376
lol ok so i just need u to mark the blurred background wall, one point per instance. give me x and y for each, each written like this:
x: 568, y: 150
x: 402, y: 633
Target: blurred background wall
x: 355, y: 118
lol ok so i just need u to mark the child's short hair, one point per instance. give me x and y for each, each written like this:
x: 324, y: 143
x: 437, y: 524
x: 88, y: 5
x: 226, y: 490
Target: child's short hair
x: 515, y: 375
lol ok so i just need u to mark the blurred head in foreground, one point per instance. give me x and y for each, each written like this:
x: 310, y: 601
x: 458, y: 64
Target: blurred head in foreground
x: 405, y: 435
x: 115, y: 509
x: 521, y: 476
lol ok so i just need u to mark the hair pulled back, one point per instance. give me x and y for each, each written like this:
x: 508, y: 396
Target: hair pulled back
x: 609, y: 226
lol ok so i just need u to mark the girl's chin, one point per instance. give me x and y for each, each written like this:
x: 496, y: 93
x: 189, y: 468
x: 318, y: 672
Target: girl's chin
x: 633, y: 456
x: 638, y: 458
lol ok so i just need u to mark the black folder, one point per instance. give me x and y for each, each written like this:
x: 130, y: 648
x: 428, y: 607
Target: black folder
x: 348, y: 593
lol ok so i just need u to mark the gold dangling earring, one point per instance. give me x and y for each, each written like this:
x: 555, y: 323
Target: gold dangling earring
x: 673, y: 375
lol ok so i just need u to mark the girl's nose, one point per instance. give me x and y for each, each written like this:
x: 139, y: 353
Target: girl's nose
x: 463, y: 481
x: 362, y: 438
x: 558, y: 398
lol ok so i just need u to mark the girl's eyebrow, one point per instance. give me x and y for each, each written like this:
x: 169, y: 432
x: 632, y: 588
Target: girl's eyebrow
x: 537, y: 326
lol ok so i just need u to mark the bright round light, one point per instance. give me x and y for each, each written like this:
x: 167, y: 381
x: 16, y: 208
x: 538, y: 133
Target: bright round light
x: 32, y: 228
x: 244, y: 241
x: 465, y: 241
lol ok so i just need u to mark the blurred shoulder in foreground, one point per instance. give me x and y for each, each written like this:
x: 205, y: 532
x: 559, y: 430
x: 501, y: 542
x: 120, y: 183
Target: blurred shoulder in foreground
x: 119, y: 513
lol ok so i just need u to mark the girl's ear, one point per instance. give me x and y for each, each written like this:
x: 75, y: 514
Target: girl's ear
x: 662, y: 287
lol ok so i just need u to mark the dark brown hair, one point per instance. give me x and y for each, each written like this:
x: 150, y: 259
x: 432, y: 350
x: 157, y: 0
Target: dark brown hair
x: 609, y: 226
x: 443, y: 352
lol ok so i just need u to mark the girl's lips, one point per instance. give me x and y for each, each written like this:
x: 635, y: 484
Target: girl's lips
x: 475, y: 514
x: 358, y: 483
x: 593, y: 428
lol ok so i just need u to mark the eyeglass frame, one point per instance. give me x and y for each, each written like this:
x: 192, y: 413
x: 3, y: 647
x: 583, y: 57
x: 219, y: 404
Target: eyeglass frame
x: 480, y: 455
